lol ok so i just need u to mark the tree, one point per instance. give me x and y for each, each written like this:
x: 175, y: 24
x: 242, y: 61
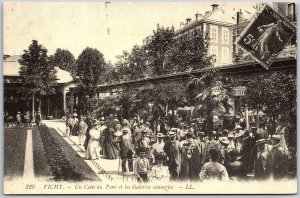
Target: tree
x: 137, y: 63
x: 64, y: 59
x: 131, y: 65
x: 160, y: 43
x: 189, y: 53
x: 39, y: 77
x: 275, y: 94
x: 213, y: 98
x: 91, y: 68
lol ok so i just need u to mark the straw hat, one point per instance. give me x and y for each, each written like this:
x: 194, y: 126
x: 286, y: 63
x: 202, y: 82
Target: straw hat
x: 237, y: 127
x: 231, y: 135
x: 276, y: 137
x: 159, y: 135
x: 224, y: 140
x: 118, y: 133
x: 239, y: 134
x: 171, y: 134
x: 260, y: 141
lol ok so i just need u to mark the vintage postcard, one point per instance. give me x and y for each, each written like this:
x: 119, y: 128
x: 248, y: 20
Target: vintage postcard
x: 150, y: 98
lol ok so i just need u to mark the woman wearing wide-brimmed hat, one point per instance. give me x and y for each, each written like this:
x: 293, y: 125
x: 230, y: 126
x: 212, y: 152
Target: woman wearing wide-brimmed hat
x: 93, y: 148
x: 109, y: 148
x: 160, y: 172
x: 74, y: 132
x: 82, y: 127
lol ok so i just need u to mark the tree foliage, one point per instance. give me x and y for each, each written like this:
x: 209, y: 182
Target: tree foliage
x: 189, y: 54
x: 64, y: 59
x: 131, y: 66
x: 160, y: 42
x: 162, y: 53
x: 213, y: 98
x: 39, y: 77
x: 274, y: 93
x: 91, y: 67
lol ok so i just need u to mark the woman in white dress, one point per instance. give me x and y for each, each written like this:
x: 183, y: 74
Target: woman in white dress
x: 280, y: 130
x: 93, y: 148
x: 159, y: 172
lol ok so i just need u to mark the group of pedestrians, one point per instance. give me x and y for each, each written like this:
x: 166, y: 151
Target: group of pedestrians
x: 22, y: 119
x: 185, y: 152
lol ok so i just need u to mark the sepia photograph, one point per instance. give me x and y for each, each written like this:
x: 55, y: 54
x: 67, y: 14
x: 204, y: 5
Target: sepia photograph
x: 149, y: 98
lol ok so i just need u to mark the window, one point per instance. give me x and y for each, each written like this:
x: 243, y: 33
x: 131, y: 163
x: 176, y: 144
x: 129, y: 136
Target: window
x: 291, y: 11
x: 213, y: 33
x: 225, y: 55
x: 225, y: 35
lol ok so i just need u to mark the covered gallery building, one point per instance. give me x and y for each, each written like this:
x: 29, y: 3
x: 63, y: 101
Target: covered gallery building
x: 55, y: 105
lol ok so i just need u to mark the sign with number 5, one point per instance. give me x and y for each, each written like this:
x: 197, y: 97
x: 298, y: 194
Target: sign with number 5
x: 266, y: 36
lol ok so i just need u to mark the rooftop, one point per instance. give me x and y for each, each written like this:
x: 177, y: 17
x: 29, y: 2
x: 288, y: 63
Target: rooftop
x: 281, y: 63
x: 11, y: 68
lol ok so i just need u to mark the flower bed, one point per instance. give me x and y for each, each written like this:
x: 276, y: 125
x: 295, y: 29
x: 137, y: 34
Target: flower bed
x: 60, y: 167
x: 41, y: 168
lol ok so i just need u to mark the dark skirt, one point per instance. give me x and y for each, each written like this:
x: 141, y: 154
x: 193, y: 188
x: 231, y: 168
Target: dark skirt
x: 109, y: 148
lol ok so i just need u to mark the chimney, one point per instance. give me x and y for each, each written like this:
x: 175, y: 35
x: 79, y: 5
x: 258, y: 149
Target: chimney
x: 181, y: 24
x: 239, y: 17
x: 188, y: 20
x: 214, y: 7
x: 198, y: 16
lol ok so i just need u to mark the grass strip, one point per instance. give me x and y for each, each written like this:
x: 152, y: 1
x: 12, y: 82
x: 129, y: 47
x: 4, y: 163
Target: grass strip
x: 14, y: 152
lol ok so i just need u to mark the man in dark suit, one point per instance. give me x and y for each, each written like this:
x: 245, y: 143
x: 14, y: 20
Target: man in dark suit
x: 173, y: 151
x: 247, y: 156
x: 38, y: 118
x: 280, y: 159
x: 126, y: 150
x: 264, y: 162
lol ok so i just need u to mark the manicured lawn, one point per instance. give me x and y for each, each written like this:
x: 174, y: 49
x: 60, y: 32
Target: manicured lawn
x: 14, y: 152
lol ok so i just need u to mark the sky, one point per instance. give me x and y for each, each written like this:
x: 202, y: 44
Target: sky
x: 75, y: 26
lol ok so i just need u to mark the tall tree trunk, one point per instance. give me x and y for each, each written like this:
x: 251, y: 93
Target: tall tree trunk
x: 48, y: 108
x: 33, y: 114
x: 40, y: 104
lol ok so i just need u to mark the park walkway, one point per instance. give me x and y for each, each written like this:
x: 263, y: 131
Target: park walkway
x: 106, y: 170
x: 28, y: 162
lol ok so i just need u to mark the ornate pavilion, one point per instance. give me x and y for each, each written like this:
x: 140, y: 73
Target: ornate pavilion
x: 56, y: 105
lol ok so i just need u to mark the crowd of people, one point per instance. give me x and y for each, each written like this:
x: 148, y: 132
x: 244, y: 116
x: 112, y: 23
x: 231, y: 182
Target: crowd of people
x: 22, y: 119
x: 186, y: 153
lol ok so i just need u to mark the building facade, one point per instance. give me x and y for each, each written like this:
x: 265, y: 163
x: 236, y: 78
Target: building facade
x: 219, y: 32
